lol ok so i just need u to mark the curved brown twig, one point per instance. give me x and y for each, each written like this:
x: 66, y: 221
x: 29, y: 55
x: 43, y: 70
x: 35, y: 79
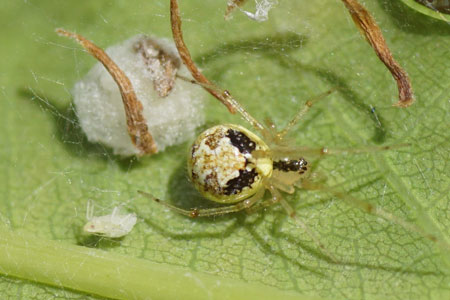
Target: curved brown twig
x: 369, y: 28
x: 218, y: 93
x: 136, y: 123
x: 231, y: 6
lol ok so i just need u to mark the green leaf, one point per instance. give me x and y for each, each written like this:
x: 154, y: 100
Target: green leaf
x: 49, y: 170
x: 429, y: 10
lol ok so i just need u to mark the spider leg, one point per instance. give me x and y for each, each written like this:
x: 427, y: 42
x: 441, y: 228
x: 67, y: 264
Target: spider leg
x: 374, y: 210
x: 278, y: 198
x: 270, y: 124
x: 208, y: 212
x: 185, y: 55
x: 283, y: 186
x: 302, y: 112
x: 296, y: 152
x: 137, y: 125
x: 223, y: 96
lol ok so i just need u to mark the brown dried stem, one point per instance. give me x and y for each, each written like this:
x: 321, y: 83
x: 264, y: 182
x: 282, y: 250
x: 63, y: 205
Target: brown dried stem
x: 218, y: 93
x: 162, y: 65
x: 367, y: 26
x: 231, y: 6
x: 137, y: 125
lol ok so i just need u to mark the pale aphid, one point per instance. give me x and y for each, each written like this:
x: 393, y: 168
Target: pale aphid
x: 114, y: 225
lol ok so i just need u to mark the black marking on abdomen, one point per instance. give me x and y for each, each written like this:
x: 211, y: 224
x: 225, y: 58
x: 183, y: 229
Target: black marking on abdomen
x: 245, y: 179
x: 241, y: 141
x: 291, y: 165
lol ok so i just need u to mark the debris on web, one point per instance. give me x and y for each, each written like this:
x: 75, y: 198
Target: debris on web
x: 262, y: 8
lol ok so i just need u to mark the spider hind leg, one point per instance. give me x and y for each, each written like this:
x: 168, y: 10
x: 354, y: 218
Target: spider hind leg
x: 278, y: 198
x: 209, y: 212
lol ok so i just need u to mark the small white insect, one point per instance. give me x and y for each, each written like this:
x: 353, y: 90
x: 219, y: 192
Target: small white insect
x: 114, y: 225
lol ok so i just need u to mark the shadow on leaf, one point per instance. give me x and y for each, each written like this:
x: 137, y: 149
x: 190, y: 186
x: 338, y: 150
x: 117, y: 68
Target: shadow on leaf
x: 276, y: 48
x: 70, y: 134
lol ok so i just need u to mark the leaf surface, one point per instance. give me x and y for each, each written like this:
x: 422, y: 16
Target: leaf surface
x: 49, y: 170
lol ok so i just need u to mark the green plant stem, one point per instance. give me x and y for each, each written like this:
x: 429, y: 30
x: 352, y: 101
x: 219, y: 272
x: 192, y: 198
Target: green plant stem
x: 427, y: 11
x: 116, y: 276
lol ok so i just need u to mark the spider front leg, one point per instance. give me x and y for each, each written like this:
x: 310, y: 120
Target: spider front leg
x: 373, y: 210
x: 295, y: 152
x: 185, y: 55
x: 209, y: 212
x: 223, y: 96
x: 301, y: 113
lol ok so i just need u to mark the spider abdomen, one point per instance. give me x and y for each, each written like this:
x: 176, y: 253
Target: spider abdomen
x: 222, y: 164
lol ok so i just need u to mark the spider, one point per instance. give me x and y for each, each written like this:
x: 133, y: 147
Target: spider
x: 231, y: 165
